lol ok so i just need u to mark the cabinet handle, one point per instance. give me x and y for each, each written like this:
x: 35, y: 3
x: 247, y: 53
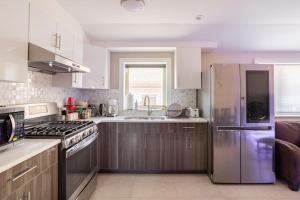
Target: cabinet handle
x: 190, y: 142
x: 56, y: 40
x: 23, y: 173
x: 188, y: 127
x: 59, y: 42
x: 186, y: 142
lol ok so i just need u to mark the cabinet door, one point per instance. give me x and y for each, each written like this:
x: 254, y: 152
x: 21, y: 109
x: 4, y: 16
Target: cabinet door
x: 153, y: 146
x: 97, y: 59
x: 131, y: 146
x: 65, y: 42
x: 188, y: 68
x: 14, y: 40
x: 78, y: 48
x: 169, y: 151
x: 77, y: 80
x: 42, y: 27
x: 191, y: 147
x: 108, y: 147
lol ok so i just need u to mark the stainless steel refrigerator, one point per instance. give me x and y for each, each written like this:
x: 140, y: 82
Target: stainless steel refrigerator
x: 242, y: 123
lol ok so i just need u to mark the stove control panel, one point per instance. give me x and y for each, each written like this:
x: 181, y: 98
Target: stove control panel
x: 68, y: 142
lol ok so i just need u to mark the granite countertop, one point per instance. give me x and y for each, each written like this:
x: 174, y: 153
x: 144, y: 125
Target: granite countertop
x: 167, y: 120
x: 23, y: 150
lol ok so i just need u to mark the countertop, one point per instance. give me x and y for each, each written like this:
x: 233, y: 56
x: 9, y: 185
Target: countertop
x: 23, y: 150
x: 98, y: 120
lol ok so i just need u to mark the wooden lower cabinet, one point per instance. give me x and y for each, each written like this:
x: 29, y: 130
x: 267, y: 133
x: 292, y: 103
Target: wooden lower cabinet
x: 157, y: 147
x: 131, y: 146
x: 108, y: 146
x: 40, y: 181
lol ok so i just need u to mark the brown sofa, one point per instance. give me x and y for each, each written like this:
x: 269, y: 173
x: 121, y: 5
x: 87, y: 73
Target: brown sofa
x: 288, y: 152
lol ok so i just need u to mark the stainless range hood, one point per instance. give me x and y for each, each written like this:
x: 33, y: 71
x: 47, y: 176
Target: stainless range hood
x: 44, y: 61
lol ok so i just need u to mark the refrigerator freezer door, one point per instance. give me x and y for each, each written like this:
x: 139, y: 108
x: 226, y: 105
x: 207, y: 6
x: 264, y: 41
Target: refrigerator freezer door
x: 226, y: 157
x: 225, y: 112
x: 257, y: 149
x: 257, y: 95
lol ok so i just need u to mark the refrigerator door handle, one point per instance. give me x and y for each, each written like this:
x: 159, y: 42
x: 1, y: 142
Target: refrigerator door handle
x: 228, y: 128
x: 260, y: 128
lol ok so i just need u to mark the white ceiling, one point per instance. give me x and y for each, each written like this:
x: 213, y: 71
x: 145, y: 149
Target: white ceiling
x: 247, y: 25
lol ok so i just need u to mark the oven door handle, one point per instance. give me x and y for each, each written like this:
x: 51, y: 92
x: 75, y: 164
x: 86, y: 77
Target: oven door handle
x: 81, y: 145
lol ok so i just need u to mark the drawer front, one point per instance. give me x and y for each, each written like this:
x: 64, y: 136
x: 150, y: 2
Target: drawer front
x: 191, y: 127
x: 17, y: 176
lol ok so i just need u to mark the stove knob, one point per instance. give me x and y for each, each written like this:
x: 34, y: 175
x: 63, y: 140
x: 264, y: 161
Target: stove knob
x: 72, y: 141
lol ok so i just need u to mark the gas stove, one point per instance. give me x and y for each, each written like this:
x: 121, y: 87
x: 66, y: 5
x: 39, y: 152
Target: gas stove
x: 77, y: 151
x: 70, y: 132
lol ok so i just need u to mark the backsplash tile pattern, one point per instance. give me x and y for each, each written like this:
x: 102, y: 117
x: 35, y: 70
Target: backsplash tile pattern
x: 183, y: 97
x: 38, y: 88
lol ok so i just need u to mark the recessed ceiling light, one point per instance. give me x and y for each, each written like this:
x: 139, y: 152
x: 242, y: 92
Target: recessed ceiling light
x: 133, y: 5
x: 200, y: 17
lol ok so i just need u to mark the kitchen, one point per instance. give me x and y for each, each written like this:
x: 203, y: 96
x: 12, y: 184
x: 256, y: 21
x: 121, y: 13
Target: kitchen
x: 141, y: 105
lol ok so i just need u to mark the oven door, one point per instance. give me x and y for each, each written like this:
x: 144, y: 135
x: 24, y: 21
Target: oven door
x: 81, y: 165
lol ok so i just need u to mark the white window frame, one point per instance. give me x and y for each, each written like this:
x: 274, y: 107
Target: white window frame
x: 127, y: 61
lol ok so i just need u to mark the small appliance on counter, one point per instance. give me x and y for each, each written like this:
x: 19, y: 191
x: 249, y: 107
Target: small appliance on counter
x: 112, y: 108
x: 192, y: 112
x: 11, y: 125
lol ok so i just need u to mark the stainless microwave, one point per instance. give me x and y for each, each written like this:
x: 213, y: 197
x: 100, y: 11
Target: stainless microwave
x: 11, y: 125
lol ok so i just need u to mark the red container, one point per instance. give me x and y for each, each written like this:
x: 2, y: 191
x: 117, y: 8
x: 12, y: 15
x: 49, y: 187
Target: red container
x: 70, y: 101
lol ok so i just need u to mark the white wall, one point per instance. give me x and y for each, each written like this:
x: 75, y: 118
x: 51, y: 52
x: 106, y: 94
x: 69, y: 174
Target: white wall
x: 232, y: 57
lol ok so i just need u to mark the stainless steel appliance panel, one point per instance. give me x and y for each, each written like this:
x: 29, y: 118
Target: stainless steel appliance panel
x: 257, y: 95
x: 226, y: 156
x: 81, y: 166
x: 225, y: 113
x: 257, y: 147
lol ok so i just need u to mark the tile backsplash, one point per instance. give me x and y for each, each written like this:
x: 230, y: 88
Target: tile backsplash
x: 183, y: 97
x: 38, y: 88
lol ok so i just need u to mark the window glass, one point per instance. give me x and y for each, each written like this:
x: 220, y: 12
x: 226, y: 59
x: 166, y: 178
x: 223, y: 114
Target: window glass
x: 143, y: 80
x: 287, y: 89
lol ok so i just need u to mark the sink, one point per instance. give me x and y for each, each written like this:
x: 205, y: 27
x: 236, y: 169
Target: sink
x: 158, y: 118
x: 136, y: 118
x: 144, y: 118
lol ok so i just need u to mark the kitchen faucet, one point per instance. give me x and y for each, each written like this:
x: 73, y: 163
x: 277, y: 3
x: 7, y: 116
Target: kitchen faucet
x: 149, y: 107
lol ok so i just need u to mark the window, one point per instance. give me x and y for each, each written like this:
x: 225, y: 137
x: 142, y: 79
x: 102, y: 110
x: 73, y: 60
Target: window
x: 287, y: 89
x: 143, y: 80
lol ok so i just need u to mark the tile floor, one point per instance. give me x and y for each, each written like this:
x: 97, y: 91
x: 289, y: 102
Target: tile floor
x: 183, y: 187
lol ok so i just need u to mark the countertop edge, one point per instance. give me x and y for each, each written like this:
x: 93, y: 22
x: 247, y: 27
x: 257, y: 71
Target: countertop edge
x: 29, y: 155
x: 98, y: 120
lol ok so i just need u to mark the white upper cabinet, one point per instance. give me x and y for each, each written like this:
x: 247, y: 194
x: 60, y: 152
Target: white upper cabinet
x: 188, y: 68
x: 78, y: 48
x: 14, y: 40
x: 52, y: 28
x: 98, y: 60
x: 42, y: 27
x: 65, y: 42
x: 67, y: 80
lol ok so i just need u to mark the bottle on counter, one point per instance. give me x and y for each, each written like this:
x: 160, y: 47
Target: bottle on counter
x: 136, y: 105
x: 64, y: 113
